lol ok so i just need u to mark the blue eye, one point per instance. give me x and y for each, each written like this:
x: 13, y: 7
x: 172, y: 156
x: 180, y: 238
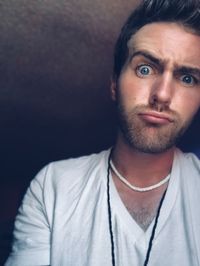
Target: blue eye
x: 144, y: 70
x: 188, y: 80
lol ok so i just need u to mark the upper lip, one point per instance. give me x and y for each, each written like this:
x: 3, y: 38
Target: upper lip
x: 158, y: 115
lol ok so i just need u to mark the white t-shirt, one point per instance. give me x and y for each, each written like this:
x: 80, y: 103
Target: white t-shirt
x: 63, y: 220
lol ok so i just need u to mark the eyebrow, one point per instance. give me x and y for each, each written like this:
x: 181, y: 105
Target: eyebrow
x: 191, y: 70
x: 148, y: 56
x: 157, y: 61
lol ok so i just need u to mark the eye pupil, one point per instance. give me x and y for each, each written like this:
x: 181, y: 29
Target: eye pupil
x: 144, y: 70
x: 187, y: 79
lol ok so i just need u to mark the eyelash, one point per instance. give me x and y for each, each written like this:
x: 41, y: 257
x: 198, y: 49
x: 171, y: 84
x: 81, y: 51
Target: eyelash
x: 194, y: 82
x: 138, y: 68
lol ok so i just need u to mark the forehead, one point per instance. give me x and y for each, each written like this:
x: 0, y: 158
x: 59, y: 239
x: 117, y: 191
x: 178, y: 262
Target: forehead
x: 170, y: 42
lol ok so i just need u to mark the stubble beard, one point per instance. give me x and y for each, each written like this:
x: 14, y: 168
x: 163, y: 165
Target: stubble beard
x: 148, y: 137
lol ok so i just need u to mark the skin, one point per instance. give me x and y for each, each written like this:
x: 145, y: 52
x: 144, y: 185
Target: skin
x: 158, y: 93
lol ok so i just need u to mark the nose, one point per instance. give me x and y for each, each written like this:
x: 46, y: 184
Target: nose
x: 161, y: 93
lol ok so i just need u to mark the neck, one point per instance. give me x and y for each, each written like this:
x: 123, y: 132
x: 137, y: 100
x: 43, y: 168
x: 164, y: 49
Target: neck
x: 141, y: 169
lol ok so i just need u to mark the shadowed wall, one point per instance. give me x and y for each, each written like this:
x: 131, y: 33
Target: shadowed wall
x: 56, y: 63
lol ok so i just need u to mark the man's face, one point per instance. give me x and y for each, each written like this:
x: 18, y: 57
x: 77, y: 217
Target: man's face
x: 158, y: 91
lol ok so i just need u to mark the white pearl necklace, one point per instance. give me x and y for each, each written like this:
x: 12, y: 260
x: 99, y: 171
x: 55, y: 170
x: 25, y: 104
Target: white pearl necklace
x: 139, y: 189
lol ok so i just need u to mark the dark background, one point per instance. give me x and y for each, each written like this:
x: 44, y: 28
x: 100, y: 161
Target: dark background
x: 55, y: 68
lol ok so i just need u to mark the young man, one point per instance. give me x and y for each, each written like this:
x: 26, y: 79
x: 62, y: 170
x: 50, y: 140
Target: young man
x: 138, y: 203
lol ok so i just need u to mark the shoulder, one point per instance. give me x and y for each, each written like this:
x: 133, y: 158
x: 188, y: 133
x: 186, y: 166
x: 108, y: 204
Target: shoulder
x: 189, y: 160
x: 70, y: 171
x: 189, y: 165
x: 60, y: 184
x: 76, y: 164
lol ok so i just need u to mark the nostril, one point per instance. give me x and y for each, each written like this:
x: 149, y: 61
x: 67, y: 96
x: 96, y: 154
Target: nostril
x: 153, y: 100
x: 157, y: 104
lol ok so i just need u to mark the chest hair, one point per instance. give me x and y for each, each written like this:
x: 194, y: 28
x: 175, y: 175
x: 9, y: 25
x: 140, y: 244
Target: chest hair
x: 142, y: 215
x: 142, y: 206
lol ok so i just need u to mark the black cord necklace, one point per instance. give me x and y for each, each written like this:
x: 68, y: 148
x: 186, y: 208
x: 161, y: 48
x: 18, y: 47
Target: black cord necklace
x: 110, y: 220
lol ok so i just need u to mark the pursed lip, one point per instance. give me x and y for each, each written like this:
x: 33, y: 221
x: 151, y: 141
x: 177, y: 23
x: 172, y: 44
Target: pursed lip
x: 156, y: 117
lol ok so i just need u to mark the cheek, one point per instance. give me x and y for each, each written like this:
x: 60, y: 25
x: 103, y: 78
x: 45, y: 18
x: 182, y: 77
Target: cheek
x: 132, y: 91
x: 187, y: 105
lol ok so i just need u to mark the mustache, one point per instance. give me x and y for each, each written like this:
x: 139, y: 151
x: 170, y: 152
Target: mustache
x: 148, y: 108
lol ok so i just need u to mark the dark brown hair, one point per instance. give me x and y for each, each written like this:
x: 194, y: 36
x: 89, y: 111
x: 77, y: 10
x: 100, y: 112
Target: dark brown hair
x: 185, y: 12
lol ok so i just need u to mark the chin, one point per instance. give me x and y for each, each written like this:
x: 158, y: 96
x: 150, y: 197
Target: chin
x: 152, y: 141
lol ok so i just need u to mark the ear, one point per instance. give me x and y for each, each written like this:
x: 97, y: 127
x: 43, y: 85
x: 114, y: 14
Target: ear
x: 113, y: 89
